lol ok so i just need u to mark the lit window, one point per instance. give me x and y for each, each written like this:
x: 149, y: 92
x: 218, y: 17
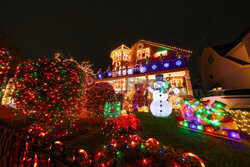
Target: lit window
x: 143, y: 53
x: 126, y: 56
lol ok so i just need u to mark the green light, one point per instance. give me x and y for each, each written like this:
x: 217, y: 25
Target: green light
x: 185, y: 124
x: 104, y: 147
x: 198, y: 115
x: 142, y: 146
x: 200, y: 127
x: 162, y: 52
x: 208, y: 112
x: 218, y: 105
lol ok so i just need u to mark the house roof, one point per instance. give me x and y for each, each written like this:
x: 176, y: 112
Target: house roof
x: 223, y: 49
x: 162, y: 45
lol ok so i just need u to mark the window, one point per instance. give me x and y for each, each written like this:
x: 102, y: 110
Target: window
x: 125, y: 56
x: 210, y: 59
x: 143, y: 53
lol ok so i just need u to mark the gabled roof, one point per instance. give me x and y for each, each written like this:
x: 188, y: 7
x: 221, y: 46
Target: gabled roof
x: 122, y: 47
x: 223, y: 49
x: 161, y: 45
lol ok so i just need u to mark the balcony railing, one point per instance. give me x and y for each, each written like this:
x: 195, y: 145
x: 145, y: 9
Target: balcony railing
x: 166, y: 65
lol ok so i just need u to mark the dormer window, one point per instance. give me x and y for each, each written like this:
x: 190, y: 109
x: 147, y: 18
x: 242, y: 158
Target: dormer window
x: 125, y: 56
x: 143, y: 53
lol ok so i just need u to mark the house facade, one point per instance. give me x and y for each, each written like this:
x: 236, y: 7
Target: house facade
x: 227, y: 66
x: 135, y: 68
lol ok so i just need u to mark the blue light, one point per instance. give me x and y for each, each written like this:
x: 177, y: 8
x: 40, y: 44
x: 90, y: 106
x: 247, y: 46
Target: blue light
x: 154, y: 67
x: 130, y: 71
x: 100, y: 76
x: 178, y: 63
x: 127, y: 146
x: 119, y: 72
x: 109, y: 74
x: 143, y: 69
x: 166, y: 65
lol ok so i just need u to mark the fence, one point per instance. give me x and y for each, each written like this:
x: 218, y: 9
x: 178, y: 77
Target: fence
x: 24, y: 149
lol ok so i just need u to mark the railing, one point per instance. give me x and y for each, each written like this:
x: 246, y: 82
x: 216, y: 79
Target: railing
x: 24, y: 149
x: 171, y: 64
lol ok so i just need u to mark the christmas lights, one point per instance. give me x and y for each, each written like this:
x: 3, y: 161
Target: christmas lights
x: 213, y: 120
x: 133, y: 151
x: 5, y: 61
x: 49, y: 92
x: 97, y: 96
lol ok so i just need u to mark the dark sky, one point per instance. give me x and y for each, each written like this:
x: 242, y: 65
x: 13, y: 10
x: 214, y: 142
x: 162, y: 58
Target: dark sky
x: 89, y: 29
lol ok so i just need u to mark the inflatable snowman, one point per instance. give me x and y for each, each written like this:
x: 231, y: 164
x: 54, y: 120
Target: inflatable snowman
x: 160, y: 107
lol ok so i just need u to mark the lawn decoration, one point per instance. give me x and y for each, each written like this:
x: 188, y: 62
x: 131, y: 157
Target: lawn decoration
x: 134, y: 151
x: 126, y: 124
x: 160, y: 107
x: 143, y: 109
x: 112, y: 110
x: 212, y: 120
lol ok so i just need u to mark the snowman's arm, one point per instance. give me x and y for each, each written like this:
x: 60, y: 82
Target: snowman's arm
x: 150, y: 89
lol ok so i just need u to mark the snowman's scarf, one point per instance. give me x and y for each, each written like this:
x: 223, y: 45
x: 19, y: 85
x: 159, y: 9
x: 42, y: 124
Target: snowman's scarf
x: 165, y: 88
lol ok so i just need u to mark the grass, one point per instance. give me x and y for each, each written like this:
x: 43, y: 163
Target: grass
x: 212, y: 150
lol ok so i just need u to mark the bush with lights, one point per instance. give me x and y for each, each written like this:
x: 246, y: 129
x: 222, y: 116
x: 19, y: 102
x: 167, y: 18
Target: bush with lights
x: 124, y: 125
x: 49, y: 92
x: 139, y: 100
x: 97, y: 96
x: 134, y: 151
x: 200, y: 116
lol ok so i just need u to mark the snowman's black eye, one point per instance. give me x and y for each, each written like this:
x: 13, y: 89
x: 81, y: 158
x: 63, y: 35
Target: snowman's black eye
x: 160, y: 110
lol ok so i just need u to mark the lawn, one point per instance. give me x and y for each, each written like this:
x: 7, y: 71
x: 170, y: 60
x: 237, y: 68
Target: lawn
x: 213, y: 151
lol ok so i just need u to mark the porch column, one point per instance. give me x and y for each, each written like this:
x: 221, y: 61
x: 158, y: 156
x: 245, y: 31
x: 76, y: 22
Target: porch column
x: 188, y: 83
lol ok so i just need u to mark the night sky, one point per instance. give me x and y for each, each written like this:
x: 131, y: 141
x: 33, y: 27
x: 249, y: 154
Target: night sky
x: 90, y: 30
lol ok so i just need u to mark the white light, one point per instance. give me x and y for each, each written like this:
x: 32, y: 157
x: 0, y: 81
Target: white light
x: 130, y: 71
x: 109, y: 74
x: 166, y: 65
x: 143, y: 69
x: 154, y: 67
x: 176, y: 90
x: 100, y: 76
x: 178, y: 63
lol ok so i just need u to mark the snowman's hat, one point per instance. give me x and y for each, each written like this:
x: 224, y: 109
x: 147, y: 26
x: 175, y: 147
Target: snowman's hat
x: 159, y: 77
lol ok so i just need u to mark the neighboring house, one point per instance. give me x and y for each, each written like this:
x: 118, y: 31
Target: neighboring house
x: 227, y: 65
x: 135, y: 68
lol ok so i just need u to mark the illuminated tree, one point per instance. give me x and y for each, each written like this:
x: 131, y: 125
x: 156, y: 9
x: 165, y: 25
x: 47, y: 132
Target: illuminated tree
x: 50, y: 94
x: 139, y: 99
x: 5, y: 63
x: 97, y: 96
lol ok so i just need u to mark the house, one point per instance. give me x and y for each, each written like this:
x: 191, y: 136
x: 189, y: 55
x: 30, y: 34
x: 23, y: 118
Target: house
x: 228, y: 65
x: 134, y: 68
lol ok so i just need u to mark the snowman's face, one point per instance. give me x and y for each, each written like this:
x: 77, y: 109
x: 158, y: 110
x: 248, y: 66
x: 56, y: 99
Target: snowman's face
x: 158, y: 84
